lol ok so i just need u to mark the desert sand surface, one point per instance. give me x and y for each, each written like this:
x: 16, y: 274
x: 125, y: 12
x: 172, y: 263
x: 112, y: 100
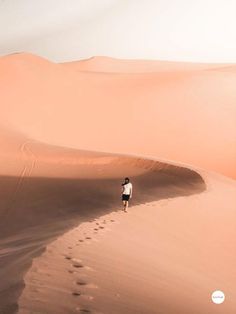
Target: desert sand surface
x: 188, y: 114
x: 146, y: 261
x: 68, y: 138
x: 55, y: 188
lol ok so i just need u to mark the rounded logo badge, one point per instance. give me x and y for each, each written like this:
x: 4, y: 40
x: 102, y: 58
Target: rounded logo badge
x: 218, y: 297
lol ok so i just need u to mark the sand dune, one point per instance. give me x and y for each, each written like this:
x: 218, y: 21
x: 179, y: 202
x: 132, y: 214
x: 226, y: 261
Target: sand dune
x: 156, y: 107
x: 147, y: 261
x: 69, y: 134
x: 55, y: 188
x: 112, y: 65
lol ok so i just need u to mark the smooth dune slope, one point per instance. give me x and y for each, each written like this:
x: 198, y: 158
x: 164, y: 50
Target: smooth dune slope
x: 187, y: 115
x: 45, y: 190
x: 69, y: 133
x: 163, y: 257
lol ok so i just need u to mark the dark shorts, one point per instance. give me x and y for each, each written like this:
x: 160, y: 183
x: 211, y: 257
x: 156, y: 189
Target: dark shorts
x: 125, y: 197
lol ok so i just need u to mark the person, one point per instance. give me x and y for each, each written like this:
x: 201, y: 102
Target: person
x: 127, y: 190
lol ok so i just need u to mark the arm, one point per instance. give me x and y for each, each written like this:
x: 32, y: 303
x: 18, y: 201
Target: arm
x: 131, y: 191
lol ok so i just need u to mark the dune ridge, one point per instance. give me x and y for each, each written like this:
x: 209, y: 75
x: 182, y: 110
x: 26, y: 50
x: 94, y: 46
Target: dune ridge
x: 136, y: 262
x: 113, y: 65
x: 64, y: 152
x: 50, y: 189
x: 199, y: 100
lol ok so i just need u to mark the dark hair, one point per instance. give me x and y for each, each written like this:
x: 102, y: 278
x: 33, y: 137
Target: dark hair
x: 126, y: 179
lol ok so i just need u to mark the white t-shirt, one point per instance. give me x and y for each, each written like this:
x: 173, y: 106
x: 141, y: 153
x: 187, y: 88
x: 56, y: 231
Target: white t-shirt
x: 127, y: 188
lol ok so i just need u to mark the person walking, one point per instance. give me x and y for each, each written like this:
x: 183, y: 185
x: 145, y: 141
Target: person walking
x: 127, y: 190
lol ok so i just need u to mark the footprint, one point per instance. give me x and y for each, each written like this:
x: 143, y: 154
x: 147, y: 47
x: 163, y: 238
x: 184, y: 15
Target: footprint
x: 78, y: 265
x: 96, y: 229
x: 83, y: 310
x: 112, y: 220
x: 88, y: 268
x: 71, y: 271
x: 76, y: 293
x: 68, y: 257
x: 69, y: 247
x: 88, y: 238
x: 101, y: 227
x: 81, y: 283
x: 81, y: 240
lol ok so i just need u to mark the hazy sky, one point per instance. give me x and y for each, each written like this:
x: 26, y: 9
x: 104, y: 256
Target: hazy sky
x: 61, y: 30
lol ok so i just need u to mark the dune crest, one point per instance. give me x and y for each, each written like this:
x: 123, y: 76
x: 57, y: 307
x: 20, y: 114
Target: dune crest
x: 157, y: 107
x: 106, y: 64
x: 69, y: 135
x: 171, y: 249
x: 50, y: 189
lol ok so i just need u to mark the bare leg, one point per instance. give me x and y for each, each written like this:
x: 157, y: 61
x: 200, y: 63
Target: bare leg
x: 126, y: 206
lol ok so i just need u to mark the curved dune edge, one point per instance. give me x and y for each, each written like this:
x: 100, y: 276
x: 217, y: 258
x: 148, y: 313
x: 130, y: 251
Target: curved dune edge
x: 115, y: 65
x: 40, y: 183
x: 172, y: 249
x: 161, y: 100
x: 41, y: 198
x: 48, y: 190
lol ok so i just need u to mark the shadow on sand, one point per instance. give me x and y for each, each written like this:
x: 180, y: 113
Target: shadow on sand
x: 40, y: 209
